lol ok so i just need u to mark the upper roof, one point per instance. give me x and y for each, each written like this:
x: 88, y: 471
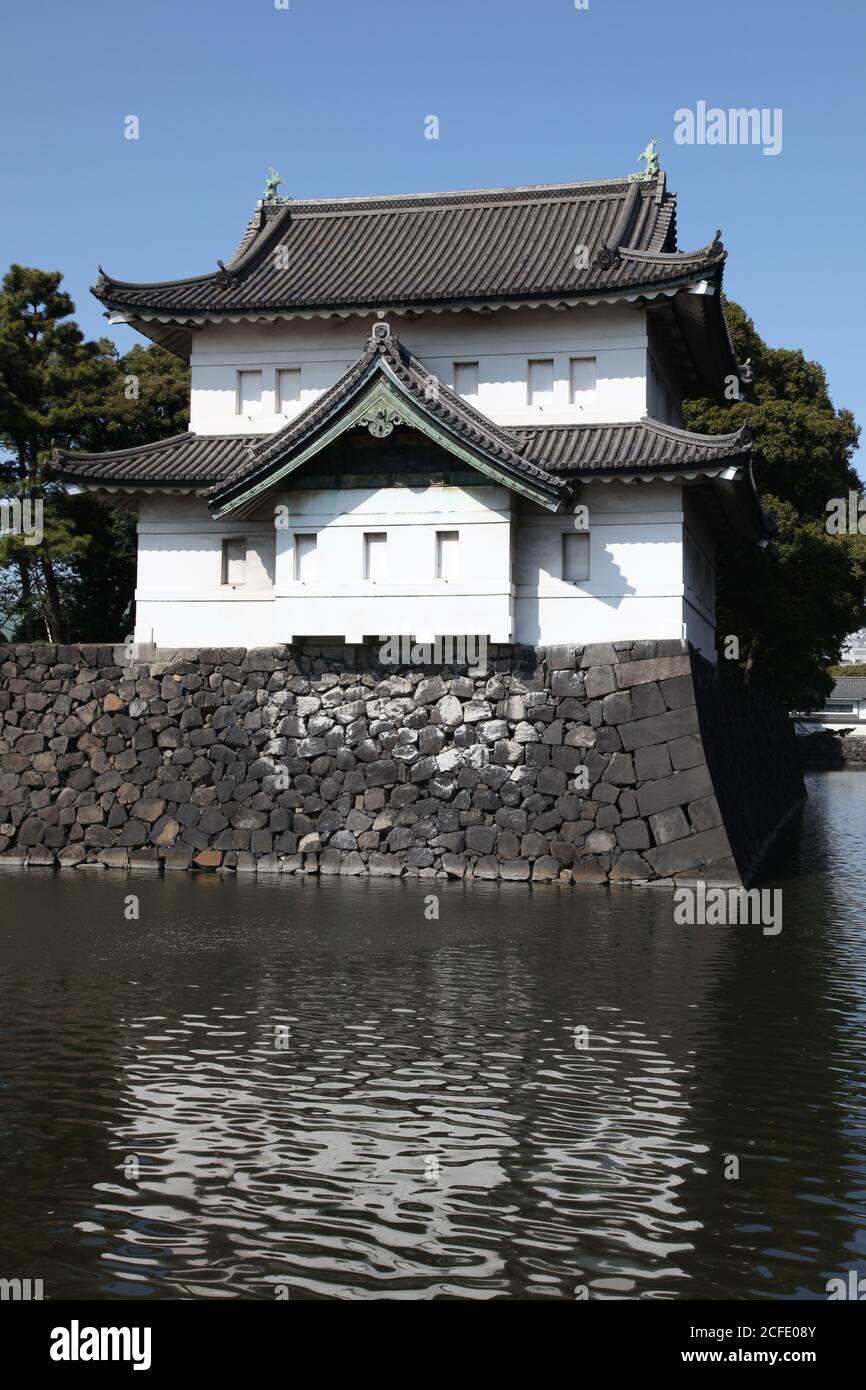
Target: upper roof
x: 435, y: 250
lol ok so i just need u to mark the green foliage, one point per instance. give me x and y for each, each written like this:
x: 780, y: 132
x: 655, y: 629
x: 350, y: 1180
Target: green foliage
x: 855, y: 669
x: 56, y: 389
x: 793, y: 604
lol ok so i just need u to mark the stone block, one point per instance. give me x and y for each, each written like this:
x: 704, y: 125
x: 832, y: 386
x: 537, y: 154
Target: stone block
x: 633, y: 834
x: 652, y: 763
x: 696, y: 851
x: 631, y: 673
x: 598, y: 654
x: 686, y: 752
x: 677, y: 790
x: 515, y: 869
x: 599, y: 681
x: 546, y: 869
x: 629, y: 867
x: 566, y: 683
x: 620, y: 770
x: 704, y: 813
x: 659, y: 728
x: 669, y: 825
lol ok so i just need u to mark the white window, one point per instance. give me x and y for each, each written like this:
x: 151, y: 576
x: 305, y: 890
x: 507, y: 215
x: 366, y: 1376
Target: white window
x: 288, y: 389
x: 539, y: 381
x: 466, y: 380
x: 305, y: 556
x: 249, y: 397
x: 234, y: 562
x: 375, y: 555
x: 582, y: 380
x: 447, y: 554
x: 575, y: 556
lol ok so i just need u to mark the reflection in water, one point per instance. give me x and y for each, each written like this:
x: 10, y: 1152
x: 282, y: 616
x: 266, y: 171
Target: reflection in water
x: 312, y: 1086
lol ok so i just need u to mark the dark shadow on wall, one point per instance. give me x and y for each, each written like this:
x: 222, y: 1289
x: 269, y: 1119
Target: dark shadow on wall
x: 753, y: 761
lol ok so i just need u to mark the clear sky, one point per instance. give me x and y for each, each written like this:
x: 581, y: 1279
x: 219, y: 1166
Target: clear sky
x: 335, y: 94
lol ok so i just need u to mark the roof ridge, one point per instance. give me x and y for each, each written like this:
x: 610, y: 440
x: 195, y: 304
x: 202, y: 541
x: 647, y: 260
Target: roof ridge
x: 502, y: 189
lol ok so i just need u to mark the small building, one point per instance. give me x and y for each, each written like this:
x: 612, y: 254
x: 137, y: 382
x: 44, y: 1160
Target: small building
x: 438, y: 414
x: 845, y: 707
x: 854, y: 650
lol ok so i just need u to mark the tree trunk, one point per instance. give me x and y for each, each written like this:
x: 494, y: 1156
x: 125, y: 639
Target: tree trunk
x: 53, y: 615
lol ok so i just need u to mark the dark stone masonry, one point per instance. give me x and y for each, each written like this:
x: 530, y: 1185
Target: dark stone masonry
x: 568, y: 764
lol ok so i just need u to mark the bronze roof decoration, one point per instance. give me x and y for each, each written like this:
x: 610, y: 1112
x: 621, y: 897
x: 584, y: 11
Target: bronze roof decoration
x: 652, y: 164
x: 270, y: 194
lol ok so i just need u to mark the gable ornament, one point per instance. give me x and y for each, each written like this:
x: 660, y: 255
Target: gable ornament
x: 381, y: 422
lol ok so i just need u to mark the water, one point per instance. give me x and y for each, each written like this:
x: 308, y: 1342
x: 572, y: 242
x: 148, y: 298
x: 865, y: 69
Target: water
x: 431, y: 1128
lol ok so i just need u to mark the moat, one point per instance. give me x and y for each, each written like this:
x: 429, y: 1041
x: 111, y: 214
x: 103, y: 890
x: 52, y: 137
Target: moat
x: 317, y: 1089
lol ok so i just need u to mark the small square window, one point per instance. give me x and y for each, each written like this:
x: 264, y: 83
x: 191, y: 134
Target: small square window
x: 575, y: 556
x: 540, y: 381
x: 466, y: 380
x: 447, y: 554
x: 234, y: 562
x: 582, y: 379
x: 288, y: 389
x: 305, y: 555
x: 249, y: 393
x: 375, y: 555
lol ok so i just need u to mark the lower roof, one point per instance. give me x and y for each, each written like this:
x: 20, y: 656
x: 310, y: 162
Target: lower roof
x: 200, y: 461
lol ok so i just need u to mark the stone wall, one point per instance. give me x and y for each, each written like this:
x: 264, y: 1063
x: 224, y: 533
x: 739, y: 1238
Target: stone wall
x: 567, y: 764
x: 853, y: 750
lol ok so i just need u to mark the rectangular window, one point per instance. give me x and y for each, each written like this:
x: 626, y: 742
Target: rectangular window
x: 288, y: 389
x: 234, y: 562
x: 305, y: 556
x: 447, y: 554
x: 539, y: 381
x: 375, y: 555
x: 249, y: 397
x: 575, y: 556
x: 582, y: 380
x: 466, y: 380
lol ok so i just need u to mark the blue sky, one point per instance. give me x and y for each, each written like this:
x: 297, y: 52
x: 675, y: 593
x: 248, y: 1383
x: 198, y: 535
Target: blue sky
x: 334, y: 94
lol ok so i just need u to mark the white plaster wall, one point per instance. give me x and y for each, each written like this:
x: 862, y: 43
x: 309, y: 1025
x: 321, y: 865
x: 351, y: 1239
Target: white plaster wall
x: 635, y: 585
x: 509, y: 586
x: 339, y: 601
x: 180, y: 597
x: 502, y: 343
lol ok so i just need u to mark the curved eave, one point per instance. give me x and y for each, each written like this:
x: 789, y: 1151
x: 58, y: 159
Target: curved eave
x: 555, y: 298
x: 731, y: 483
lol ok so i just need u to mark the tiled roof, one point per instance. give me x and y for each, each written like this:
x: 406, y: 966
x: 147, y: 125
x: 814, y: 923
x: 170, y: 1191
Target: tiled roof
x: 491, y: 245
x: 849, y: 688
x: 184, y: 460
x: 640, y: 444
x: 206, y: 460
